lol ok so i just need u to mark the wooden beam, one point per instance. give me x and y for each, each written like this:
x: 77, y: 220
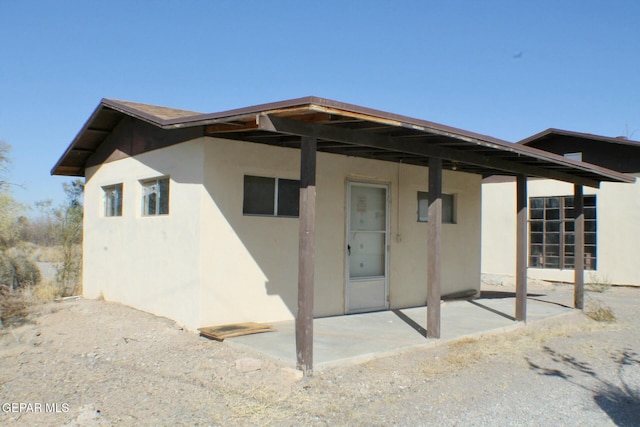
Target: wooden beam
x: 306, y: 256
x: 229, y: 127
x: 434, y: 248
x: 521, y: 248
x: 578, y: 209
x: 386, y: 142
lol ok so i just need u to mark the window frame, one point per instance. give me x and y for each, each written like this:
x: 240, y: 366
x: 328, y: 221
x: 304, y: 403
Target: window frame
x: 275, y: 207
x: 552, y: 232
x: 424, y: 217
x: 108, y: 210
x: 158, y: 202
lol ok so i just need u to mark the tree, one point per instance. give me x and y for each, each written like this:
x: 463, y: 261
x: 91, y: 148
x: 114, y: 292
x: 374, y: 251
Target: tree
x: 10, y: 209
x: 5, y: 163
x: 68, y: 232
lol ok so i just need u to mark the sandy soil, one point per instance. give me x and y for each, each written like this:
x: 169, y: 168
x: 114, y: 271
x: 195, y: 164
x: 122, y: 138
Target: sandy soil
x: 93, y: 363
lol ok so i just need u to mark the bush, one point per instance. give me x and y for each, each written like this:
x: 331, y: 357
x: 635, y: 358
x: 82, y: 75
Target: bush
x: 13, y: 306
x: 18, y: 272
x: 47, y: 291
x: 599, y: 312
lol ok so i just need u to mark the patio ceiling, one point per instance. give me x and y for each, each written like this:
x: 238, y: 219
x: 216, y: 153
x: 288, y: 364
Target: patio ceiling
x: 342, y: 129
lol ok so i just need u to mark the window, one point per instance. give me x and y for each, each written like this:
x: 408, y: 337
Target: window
x: 113, y: 200
x: 552, y: 232
x: 155, y: 197
x: 448, y: 213
x: 271, y: 196
x: 574, y: 156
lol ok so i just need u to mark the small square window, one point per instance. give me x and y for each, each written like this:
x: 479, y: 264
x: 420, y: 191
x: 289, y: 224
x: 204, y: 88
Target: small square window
x: 113, y: 200
x: 448, y: 212
x: 155, y: 197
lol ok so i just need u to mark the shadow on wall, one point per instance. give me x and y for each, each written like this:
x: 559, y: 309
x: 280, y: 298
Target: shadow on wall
x: 619, y: 399
x: 266, y: 244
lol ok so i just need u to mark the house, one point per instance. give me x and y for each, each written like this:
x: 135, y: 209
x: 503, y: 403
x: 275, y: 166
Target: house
x: 295, y: 209
x: 612, y: 215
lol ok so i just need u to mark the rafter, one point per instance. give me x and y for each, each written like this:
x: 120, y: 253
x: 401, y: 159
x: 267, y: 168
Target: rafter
x: 294, y: 127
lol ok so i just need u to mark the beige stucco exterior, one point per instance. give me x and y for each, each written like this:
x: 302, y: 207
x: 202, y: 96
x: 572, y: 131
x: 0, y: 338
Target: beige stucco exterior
x: 208, y: 264
x: 618, y: 230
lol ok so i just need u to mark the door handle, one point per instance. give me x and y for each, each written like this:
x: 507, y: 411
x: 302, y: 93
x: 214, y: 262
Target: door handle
x: 348, y: 250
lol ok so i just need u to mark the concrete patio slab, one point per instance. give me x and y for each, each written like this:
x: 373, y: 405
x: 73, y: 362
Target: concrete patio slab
x: 361, y: 337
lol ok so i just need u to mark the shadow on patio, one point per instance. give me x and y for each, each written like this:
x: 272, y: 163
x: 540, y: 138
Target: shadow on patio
x: 360, y: 337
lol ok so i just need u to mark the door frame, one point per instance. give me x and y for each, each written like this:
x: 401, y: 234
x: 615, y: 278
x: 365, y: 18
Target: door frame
x: 387, y: 187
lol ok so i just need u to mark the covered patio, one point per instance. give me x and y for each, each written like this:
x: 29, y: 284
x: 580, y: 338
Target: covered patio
x: 359, y: 338
x: 315, y: 124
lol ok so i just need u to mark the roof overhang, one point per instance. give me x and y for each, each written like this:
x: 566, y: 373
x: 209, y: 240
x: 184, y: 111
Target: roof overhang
x: 343, y: 129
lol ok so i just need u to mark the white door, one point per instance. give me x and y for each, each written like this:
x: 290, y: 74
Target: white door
x: 367, y: 231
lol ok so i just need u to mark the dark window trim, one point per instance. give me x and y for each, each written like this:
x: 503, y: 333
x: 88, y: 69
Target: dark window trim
x: 552, y: 235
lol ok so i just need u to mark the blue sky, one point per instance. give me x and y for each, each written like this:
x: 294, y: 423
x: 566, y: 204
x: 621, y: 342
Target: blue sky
x: 507, y: 69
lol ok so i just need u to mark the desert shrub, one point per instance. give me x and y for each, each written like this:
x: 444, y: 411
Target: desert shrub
x: 597, y: 284
x: 47, y: 291
x: 18, y: 272
x: 599, y: 312
x: 13, y: 306
x: 69, y: 271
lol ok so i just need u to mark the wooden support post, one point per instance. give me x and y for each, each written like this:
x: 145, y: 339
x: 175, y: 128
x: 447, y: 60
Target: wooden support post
x: 306, y: 256
x: 434, y: 247
x: 578, y: 209
x: 521, y: 248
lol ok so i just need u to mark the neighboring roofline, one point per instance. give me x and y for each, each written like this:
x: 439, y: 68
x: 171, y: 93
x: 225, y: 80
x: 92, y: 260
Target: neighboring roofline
x: 560, y: 132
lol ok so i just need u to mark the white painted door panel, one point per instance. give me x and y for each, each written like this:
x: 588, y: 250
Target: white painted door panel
x: 367, y: 231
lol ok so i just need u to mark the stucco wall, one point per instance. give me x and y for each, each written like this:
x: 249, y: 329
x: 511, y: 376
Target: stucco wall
x: 149, y: 262
x: 618, y: 230
x: 205, y: 263
x: 254, y: 259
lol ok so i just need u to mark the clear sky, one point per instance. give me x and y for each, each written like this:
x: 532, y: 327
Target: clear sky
x: 507, y: 69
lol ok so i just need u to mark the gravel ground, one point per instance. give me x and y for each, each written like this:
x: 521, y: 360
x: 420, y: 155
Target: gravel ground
x: 92, y: 363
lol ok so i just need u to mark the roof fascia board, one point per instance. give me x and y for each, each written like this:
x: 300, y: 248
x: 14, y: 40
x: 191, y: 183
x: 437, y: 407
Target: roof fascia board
x: 334, y: 107
x: 239, y: 113
x: 84, y: 128
x: 295, y: 127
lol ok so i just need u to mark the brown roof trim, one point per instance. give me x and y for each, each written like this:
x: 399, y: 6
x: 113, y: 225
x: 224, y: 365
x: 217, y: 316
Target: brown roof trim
x: 110, y: 111
x: 560, y: 132
x: 198, y: 119
x: 71, y: 147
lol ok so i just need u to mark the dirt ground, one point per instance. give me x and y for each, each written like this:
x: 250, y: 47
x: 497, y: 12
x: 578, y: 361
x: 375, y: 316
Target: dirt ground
x: 94, y: 363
